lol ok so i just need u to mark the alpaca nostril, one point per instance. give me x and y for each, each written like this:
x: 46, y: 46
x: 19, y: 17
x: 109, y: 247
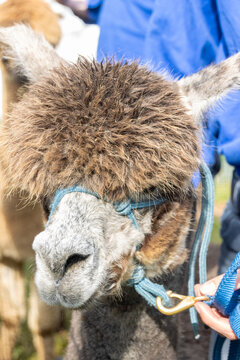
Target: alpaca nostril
x: 74, y: 259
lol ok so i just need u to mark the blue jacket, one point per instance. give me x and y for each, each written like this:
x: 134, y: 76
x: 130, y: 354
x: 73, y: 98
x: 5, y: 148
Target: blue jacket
x: 182, y: 36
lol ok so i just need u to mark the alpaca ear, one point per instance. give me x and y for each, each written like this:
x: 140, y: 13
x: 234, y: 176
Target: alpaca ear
x: 26, y: 53
x: 202, y: 90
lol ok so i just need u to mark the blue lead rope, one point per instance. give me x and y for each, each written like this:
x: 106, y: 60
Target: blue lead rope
x: 150, y: 290
x: 205, y: 221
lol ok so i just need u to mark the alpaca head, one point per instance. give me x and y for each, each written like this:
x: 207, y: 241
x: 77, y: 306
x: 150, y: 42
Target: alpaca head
x: 86, y: 250
x: 120, y: 131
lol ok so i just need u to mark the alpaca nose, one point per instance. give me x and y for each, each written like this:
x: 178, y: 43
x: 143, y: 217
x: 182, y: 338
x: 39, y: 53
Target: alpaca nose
x: 59, y: 258
x: 74, y: 259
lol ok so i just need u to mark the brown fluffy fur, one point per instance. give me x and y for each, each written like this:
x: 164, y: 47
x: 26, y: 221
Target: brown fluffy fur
x: 117, y: 129
x: 35, y: 13
x: 165, y: 248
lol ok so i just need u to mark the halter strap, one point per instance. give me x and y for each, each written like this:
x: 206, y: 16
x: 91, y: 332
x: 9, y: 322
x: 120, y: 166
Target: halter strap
x: 124, y: 208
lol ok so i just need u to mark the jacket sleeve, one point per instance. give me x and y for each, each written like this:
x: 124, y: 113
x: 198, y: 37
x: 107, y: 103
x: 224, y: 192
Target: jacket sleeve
x: 183, y: 35
x: 94, y: 8
x: 227, y: 114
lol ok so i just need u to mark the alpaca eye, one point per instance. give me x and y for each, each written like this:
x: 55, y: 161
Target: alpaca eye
x: 5, y: 61
x: 46, y: 207
x: 152, y: 189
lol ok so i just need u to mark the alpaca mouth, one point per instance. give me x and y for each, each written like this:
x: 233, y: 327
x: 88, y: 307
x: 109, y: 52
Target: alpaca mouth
x: 68, y: 292
x: 69, y: 298
x: 67, y: 302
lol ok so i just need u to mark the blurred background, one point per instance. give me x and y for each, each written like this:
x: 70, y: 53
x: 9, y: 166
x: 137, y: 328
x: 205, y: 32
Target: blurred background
x: 81, y: 38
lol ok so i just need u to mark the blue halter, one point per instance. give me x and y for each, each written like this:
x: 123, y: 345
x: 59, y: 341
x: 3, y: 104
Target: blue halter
x: 123, y: 208
x: 146, y: 288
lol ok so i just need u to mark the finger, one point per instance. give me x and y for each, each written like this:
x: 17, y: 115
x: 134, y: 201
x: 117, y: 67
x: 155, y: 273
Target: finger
x: 197, y: 290
x: 210, y: 287
x: 215, y: 320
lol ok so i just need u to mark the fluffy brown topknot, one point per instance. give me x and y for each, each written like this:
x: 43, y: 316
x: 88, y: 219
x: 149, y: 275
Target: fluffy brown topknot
x: 115, y: 128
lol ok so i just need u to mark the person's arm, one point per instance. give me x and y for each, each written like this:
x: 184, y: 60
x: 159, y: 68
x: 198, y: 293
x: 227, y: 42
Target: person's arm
x: 79, y: 7
x: 87, y: 10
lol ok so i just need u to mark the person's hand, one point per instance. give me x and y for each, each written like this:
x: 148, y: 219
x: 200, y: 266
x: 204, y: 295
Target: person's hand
x: 210, y: 316
x: 79, y: 7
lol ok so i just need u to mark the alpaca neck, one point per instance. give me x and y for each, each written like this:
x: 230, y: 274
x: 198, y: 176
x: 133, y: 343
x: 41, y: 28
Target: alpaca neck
x: 124, y: 330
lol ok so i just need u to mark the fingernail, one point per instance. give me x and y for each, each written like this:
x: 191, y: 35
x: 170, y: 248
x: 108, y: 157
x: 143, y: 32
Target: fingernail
x: 198, y: 308
x: 207, y: 288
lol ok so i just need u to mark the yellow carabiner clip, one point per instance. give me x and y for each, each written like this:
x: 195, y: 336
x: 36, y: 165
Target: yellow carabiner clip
x: 186, y: 303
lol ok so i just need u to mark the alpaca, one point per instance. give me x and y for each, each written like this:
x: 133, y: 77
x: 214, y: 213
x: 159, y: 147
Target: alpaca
x: 122, y: 132
x: 20, y: 224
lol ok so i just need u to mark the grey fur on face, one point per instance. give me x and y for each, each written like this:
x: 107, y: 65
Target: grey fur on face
x: 84, y: 238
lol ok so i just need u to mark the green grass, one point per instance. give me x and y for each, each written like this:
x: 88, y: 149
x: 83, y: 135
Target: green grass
x: 24, y: 349
x: 216, y: 238
x: 24, y: 346
x: 222, y: 192
x: 60, y: 342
